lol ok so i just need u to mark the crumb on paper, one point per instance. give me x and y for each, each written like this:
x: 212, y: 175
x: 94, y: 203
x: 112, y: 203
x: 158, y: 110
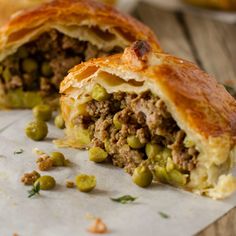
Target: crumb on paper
x: 44, y: 162
x: 15, y: 234
x: 38, y: 152
x: 70, y: 184
x: 89, y: 216
x: 98, y: 227
x: 30, y: 178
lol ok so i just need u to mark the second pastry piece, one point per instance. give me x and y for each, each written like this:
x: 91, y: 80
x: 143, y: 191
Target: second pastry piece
x: 39, y: 46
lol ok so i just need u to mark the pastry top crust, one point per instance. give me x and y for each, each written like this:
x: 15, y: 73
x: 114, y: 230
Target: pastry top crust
x: 197, y: 99
x: 70, y: 14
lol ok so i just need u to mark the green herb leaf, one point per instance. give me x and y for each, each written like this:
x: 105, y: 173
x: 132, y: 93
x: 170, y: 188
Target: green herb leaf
x: 35, y: 190
x: 124, y: 199
x: 163, y: 215
x: 19, y: 151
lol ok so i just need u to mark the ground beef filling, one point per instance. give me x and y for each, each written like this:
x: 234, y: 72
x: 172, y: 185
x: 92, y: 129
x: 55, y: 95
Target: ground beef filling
x: 144, y: 116
x: 40, y: 65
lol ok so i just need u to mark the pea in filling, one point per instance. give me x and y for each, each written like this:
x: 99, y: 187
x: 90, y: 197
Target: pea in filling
x: 135, y: 130
x: 35, y: 71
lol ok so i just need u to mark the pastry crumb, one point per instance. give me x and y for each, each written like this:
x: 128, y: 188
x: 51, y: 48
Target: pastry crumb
x: 37, y: 151
x: 98, y: 227
x: 44, y: 162
x: 30, y: 178
x: 70, y: 184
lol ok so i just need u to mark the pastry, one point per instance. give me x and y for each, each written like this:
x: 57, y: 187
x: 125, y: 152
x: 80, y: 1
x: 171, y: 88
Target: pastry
x: 39, y: 46
x: 156, y: 111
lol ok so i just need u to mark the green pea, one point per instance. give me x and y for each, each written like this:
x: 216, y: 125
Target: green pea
x: 176, y: 178
x: 97, y: 154
x: 166, y: 153
x: 42, y: 112
x: 116, y: 121
x: 46, y: 182
x: 85, y: 183
x: 107, y: 145
x: 16, y: 98
x: 7, y: 74
x: 29, y: 65
x: 188, y: 143
x: 22, y: 52
x: 58, y: 159
x: 36, y: 130
x: 99, y: 93
x: 82, y: 136
x: 134, y: 142
x: 31, y: 99
x: 152, y: 150
x: 21, y: 99
x: 160, y: 160
x: 161, y: 174
x: 59, y: 122
x: 46, y: 69
x: 170, y: 164
x: 142, y: 176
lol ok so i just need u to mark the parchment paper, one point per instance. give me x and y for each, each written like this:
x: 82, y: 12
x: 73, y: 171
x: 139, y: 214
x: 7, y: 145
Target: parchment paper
x: 62, y: 211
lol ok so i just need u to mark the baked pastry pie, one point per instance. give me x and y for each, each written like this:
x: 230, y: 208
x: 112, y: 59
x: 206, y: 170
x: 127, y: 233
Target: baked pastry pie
x: 154, y: 111
x: 39, y: 46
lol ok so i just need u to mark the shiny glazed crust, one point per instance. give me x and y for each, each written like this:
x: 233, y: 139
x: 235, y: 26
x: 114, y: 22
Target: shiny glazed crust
x: 200, y: 106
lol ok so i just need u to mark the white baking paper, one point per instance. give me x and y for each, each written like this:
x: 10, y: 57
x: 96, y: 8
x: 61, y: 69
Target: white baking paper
x: 62, y: 211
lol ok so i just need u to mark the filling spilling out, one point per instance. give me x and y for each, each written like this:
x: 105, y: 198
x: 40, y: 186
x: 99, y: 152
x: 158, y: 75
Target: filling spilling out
x: 136, y: 132
x: 37, y: 68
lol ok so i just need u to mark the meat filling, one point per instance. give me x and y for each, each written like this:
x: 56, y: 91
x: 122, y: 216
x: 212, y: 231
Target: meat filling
x: 135, y: 129
x: 40, y: 65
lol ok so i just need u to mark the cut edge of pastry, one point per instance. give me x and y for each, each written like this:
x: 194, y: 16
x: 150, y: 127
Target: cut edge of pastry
x: 139, y: 70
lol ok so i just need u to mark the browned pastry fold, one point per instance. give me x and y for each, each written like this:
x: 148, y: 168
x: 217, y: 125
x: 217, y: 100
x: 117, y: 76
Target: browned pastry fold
x: 39, y: 46
x: 162, y: 101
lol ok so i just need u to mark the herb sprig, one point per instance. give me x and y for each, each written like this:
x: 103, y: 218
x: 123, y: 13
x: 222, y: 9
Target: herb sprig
x: 163, y: 215
x: 19, y: 151
x: 124, y: 199
x: 35, y: 190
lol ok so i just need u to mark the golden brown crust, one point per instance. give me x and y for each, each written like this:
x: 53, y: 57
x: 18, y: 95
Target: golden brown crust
x: 201, y: 102
x: 204, y: 103
x: 74, y: 12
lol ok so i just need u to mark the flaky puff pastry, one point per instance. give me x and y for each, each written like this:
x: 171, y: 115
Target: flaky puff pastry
x: 201, y: 107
